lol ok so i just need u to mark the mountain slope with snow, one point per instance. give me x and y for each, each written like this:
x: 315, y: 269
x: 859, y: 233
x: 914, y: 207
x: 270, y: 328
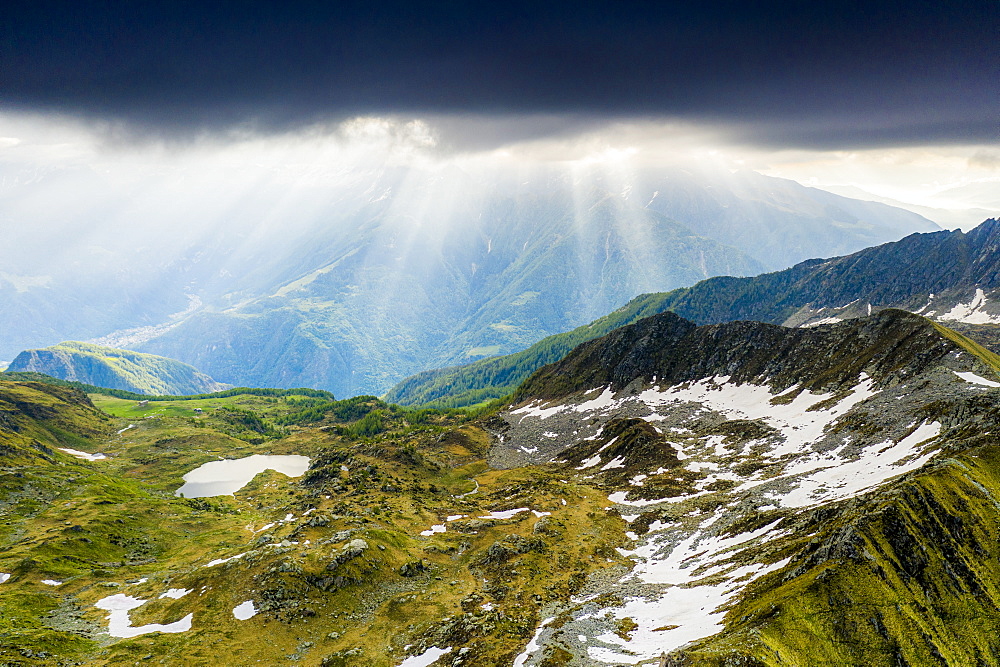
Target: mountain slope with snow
x: 759, y: 466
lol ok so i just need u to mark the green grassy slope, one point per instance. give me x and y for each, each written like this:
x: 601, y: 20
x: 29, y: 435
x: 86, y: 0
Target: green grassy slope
x: 381, y: 474
x: 908, y: 576
x: 493, y: 378
x: 115, y: 369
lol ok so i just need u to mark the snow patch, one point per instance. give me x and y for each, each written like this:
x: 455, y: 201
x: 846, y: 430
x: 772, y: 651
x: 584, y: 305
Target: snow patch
x: 533, y: 645
x: 220, y: 561
x: 244, y: 610
x: 617, y: 462
x: 82, y: 455
x: 839, y: 478
x: 505, y: 514
x: 426, y: 658
x: 972, y: 312
x: 975, y: 379
x: 176, y: 593
x: 120, y: 625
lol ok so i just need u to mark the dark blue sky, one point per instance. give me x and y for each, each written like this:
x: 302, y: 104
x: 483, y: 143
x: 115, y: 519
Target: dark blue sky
x: 809, y: 73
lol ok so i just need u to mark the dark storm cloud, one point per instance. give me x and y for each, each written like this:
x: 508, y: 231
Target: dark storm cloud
x: 800, y: 72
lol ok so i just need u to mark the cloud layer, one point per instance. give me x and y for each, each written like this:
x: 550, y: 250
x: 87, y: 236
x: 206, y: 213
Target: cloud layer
x: 780, y: 73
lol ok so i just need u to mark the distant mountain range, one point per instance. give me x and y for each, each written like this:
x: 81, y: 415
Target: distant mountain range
x: 115, y: 369
x: 953, y: 277
x: 389, y: 272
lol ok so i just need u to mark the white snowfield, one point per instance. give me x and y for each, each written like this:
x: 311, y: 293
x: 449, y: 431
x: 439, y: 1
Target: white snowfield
x: 801, y: 421
x: 426, y: 658
x: 120, y: 625
x: 975, y: 379
x: 691, y: 573
x: 970, y: 313
x: 244, y: 610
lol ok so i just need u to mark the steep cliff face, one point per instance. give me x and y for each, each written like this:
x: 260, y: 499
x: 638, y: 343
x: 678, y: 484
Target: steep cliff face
x: 115, y: 369
x: 820, y: 496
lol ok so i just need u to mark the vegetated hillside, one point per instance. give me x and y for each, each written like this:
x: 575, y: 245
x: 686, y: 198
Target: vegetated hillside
x: 36, y: 417
x: 950, y: 276
x: 115, y: 369
x: 795, y: 496
x: 398, y: 517
x: 760, y: 491
x: 495, y: 377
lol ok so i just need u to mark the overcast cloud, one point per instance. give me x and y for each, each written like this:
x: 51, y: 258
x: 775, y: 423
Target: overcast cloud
x: 814, y: 74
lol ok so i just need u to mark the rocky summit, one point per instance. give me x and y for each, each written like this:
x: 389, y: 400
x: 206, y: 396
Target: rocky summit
x: 731, y: 494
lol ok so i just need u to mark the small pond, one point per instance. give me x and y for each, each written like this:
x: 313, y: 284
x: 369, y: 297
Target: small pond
x: 221, y: 478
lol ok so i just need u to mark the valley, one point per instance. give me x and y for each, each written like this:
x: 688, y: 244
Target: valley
x: 499, y: 334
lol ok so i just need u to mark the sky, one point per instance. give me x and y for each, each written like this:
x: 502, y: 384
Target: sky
x: 897, y: 100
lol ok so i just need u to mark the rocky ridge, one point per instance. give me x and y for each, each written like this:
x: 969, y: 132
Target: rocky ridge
x: 951, y: 277
x: 745, y: 458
